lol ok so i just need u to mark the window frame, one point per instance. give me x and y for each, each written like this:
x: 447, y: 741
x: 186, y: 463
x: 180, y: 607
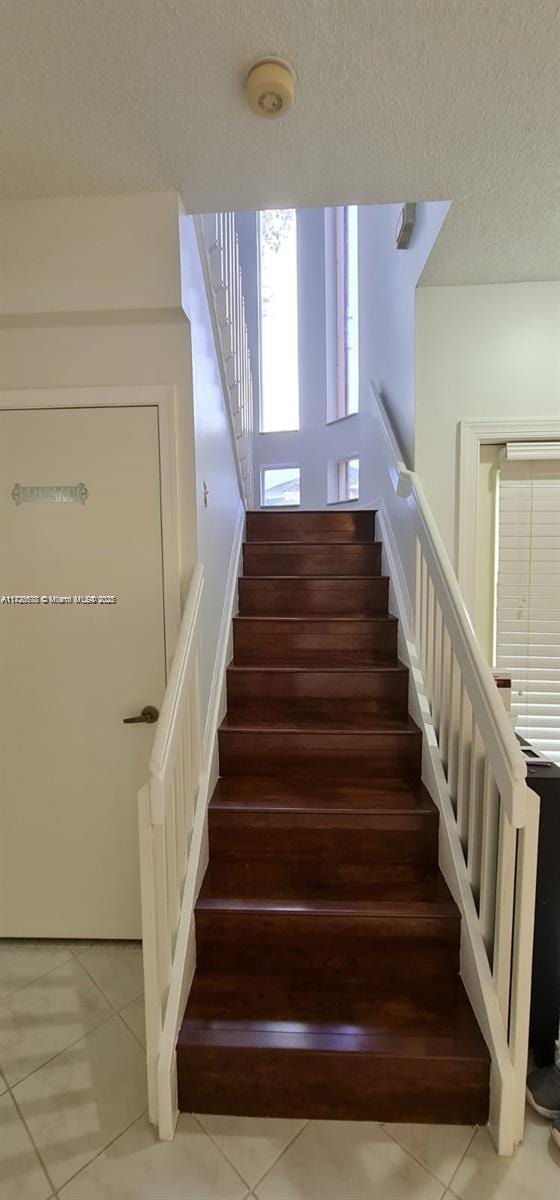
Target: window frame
x: 342, y: 308
x: 339, y: 472
x: 277, y: 467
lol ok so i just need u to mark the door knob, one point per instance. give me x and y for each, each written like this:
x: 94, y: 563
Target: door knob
x: 148, y: 716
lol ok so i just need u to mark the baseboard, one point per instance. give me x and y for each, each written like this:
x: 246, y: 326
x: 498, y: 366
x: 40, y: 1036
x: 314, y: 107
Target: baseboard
x: 184, y: 958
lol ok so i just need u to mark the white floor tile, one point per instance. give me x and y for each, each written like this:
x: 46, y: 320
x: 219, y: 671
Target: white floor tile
x: 84, y: 1098
x: 43, y: 1018
x: 22, y: 962
x: 347, y: 1160
x: 134, y: 1016
x: 533, y: 1173
x: 117, y: 970
x: 439, y: 1147
x: 138, y: 1167
x: 252, y: 1144
x: 21, y: 1174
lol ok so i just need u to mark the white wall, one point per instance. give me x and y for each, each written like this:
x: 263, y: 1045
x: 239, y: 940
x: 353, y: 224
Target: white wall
x: 483, y: 351
x: 387, y: 295
x: 214, y: 457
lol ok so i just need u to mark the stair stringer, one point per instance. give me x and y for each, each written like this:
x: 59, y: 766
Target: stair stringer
x: 185, y: 950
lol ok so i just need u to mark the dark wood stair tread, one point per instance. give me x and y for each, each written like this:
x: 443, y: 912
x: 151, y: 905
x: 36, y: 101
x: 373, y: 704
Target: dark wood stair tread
x: 350, y: 580
x: 319, y: 618
x: 297, y: 1014
x: 304, y: 525
x: 299, y: 668
x: 310, y: 725
x: 317, y: 545
x: 278, y: 793
x: 278, y: 887
x: 265, y: 558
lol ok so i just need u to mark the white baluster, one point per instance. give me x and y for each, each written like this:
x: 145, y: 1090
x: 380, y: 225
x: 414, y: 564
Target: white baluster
x: 170, y: 828
x: 489, y: 858
x: 503, y: 927
x: 463, y: 766
x: 454, y: 724
x: 446, y: 654
x: 476, y: 781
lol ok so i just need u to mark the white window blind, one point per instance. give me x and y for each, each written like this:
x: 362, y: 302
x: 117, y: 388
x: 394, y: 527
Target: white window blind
x: 528, y: 598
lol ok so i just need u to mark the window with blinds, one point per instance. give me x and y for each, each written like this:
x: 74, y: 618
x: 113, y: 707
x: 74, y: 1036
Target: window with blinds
x: 528, y: 597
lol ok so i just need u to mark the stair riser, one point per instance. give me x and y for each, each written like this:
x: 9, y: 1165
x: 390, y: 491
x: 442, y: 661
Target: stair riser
x: 324, y: 837
x: 278, y: 559
x: 294, y: 595
x: 326, y: 642
x: 360, y: 947
x: 379, y: 756
x: 310, y: 527
x: 243, y: 1081
x: 255, y: 695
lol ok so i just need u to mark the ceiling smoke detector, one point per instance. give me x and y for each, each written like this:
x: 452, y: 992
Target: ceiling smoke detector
x: 269, y: 88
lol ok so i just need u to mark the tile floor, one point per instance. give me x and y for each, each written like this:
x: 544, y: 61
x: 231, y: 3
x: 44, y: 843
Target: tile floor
x: 73, y: 1113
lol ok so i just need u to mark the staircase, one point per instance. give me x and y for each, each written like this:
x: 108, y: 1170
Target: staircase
x: 327, y: 978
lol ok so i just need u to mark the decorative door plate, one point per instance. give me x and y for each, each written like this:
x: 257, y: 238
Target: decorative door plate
x: 57, y: 493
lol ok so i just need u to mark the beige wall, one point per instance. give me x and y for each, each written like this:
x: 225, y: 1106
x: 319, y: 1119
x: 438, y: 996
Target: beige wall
x: 89, y: 254
x: 90, y: 296
x: 482, y: 352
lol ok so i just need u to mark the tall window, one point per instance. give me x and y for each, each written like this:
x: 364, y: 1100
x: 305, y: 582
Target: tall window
x: 348, y: 479
x: 527, y: 604
x: 278, y: 304
x: 341, y: 260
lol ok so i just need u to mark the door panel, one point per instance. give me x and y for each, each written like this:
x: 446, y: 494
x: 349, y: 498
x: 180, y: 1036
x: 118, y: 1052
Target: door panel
x: 71, y: 672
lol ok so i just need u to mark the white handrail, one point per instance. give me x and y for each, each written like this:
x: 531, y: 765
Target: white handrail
x: 488, y: 815
x: 166, y: 810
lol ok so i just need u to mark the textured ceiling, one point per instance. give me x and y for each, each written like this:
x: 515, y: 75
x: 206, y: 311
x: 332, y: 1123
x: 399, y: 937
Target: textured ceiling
x: 396, y: 99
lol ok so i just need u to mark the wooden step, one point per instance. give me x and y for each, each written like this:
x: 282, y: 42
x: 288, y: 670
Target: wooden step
x: 249, y: 917
x: 290, y: 595
x: 293, y: 558
x: 290, y: 794
x: 287, y: 1048
x: 259, y: 829
x: 391, y: 750
x: 326, y: 696
x: 301, y: 526
x: 315, y: 641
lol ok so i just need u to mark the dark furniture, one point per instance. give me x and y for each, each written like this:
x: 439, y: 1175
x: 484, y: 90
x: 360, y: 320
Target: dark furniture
x: 545, y: 997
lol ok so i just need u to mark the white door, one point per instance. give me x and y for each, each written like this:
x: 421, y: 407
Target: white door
x: 71, y: 671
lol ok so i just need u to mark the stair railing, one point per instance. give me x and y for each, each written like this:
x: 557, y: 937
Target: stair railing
x: 219, y: 251
x: 490, y: 814
x: 166, y: 810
